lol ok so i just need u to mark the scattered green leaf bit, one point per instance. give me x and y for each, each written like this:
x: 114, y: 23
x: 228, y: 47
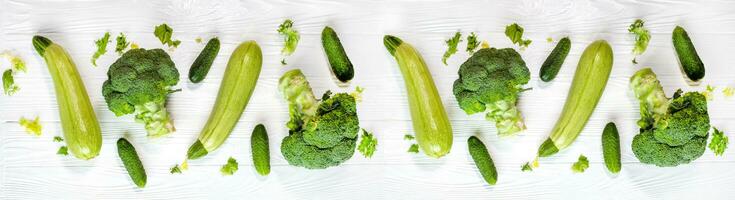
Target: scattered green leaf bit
x: 198, y: 40
x: 515, y: 34
x: 452, y: 46
x: 229, y: 168
x: 484, y: 44
x: 9, y: 85
x: 101, y: 47
x: 58, y: 139
x: 134, y: 46
x: 549, y: 39
x: 63, y: 151
x: 472, y: 43
x: 176, y: 169
x: 581, y: 164
x: 163, y: 32
x: 642, y: 36
x: 719, y: 141
x: 17, y: 63
x: 290, y: 38
x: 122, y: 43
x: 414, y: 148
x: 527, y: 167
x: 357, y: 94
x: 707, y: 93
x: 368, y: 142
x: 32, y: 127
x: 408, y: 137
x: 728, y: 91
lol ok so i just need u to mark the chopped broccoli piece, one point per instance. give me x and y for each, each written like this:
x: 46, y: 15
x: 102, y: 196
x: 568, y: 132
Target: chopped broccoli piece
x: 357, y: 94
x: 408, y: 137
x: 175, y: 169
x: 58, y: 139
x: 728, y: 91
x: 229, y: 168
x: 17, y: 63
x: 491, y: 80
x: 101, y: 47
x: 581, y: 164
x: 719, y: 141
x: 290, y: 38
x: 198, y: 40
x: 642, y: 36
x: 9, y: 86
x: 515, y: 34
x: 63, y: 150
x: 122, y: 43
x: 32, y: 127
x: 451, y: 46
x: 134, y: 45
x: 414, y: 148
x: 163, y: 32
x: 368, y: 142
x: 549, y: 39
x: 139, y: 83
x: 472, y: 43
x: 708, y: 92
x: 526, y: 167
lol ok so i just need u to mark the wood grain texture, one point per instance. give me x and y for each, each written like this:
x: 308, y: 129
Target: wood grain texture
x: 29, y: 168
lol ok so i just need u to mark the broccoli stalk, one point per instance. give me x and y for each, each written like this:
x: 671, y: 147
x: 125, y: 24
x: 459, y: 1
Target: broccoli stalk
x: 491, y: 81
x: 323, y: 133
x: 673, y: 131
x: 139, y: 83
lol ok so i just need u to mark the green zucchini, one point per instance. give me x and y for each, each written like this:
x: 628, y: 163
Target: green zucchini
x: 201, y: 65
x: 79, y: 123
x: 238, y: 84
x: 611, y: 147
x: 688, y: 57
x: 555, y: 60
x: 589, y: 82
x: 261, y: 152
x: 338, y: 60
x: 132, y: 163
x: 482, y: 159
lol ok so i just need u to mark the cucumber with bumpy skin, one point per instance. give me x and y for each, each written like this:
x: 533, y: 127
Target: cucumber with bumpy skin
x: 688, y: 57
x: 482, y: 159
x: 555, y: 60
x: 201, y: 65
x: 132, y: 163
x: 338, y: 60
x: 611, y: 148
x: 261, y: 153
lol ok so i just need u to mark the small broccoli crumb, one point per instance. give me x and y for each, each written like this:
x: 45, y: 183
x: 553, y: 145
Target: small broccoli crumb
x: 549, y: 39
x: 134, y: 46
x: 175, y: 169
x: 164, y: 32
x: 526, y: 167
x: 728, y: 91
x: 368, y: 144
x: 122, y: 43
x: 719, y: 141
x: 515, y: 34
x: 9, y: 86
x: 58, y: 139
x: 485, y: 45
x: 101, y: 47
x: 290, y: 38
x: 472, y: 43
x: 63, y: 151
x: 198, y: 40
x: 16, y: 62
x: 581, y: 164
x: 357, y: 94
x: 452, y: 46
x: 185, y: 165
x: 229, y: 168
x: 408, y: 137
x: 32, y: 127
x: 708, y: 92
x: 414, y: 148
x: 642, y: 36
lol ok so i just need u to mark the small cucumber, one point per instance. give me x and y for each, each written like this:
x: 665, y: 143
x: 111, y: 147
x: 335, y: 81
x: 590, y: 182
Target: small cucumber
x: 261, y: 153
x: 611, y: 148
x: 688, y: 57
x: 482, y: 160
x: 201, y: 65
x: 555, y: 60
x: 338, y: 60
x: 132, y: 163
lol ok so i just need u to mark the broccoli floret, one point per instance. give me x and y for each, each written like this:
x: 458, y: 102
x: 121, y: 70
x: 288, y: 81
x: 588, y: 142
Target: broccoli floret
x: 673, y: 131
x: 490, y: 81
x: 139, y: 83
x: 323, y: 133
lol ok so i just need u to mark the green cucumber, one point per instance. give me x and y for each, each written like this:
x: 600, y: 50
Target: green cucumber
x: 611, y: 148
x: 555, y: 60
x: 482, y: 159
x: 338, y: 60
x: 261, y: 153
x: 201, y: 65
x: 688, y: 57
x: 132, y: 163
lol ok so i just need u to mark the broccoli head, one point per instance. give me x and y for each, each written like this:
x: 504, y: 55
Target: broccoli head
x: 491, y: 81
x: 139, y: 83
x: 323, y: 133
x: 673, y: 131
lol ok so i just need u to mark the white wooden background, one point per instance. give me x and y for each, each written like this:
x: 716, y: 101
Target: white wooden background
x: 29, y: 168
